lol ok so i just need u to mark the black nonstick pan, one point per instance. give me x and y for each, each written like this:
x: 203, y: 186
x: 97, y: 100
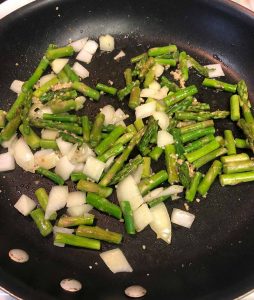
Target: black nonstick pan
x: 212, y: 260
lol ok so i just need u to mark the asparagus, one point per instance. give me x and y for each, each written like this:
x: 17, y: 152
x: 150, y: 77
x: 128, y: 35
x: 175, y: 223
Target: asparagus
x: 178, y: 141
x: 139, y: 124
x: 65, y: 94
x: 121, y: 94
x: 43, y: 64
x: 134, y: 97
x: 156, y: 153
x: 61, y: 117
x: 157, y: 51
x: 105, y: 144
x: 248, y: 130
x: 131, y: 128
x: 196, y: 65
x: 86, y: 90
x: 201, y: 116
x: 213, y: 83
x: 230, y: 142
x: 247, y: 114
x: 238, y: 167
x: 150, y: 75
x: 95, y: 135
x: 114, y: 151
x: 180, y: 106
x: 192, y: 190
x: 58, y: 107
x: 184, y: 174
x: 73, y: 240
x: 165, y: 61
x: 125, y: 138
x: 151, y: 129
x: 76, y: 176
x: 204, y: 150
x: 66, y: 221
x: 241, y: 143
x: 10, y: 128
x: 45, y: 87
x: 198, y: 143
x: 121, y: 159
x: 11, y: 114
x: 98, y: 233
x: 209, y: 178
x: 88, y: 186
x: 108, y: 128
x: 72, y: 76
x: 105, y: 88
x: 43, y: 199
x: 127, y: 169
x: 234, y: 108
x: 43, y: 225
x: 145, y: 67
x: 169, y: 84
x: 242, y: 91
x: 51, y: 175
x: 71, y: 138
x: 59, y: 52
x: 31, y: 139
x: 158, y: 200
x: 233, y: 179
x: 146, y: 167
x: 195, y: 126
x: 128, y: 76
x: 235, y: 158
x: 86, y: 128
x: 128, y: 217
x: 209, y: 157
x: 138, y: 58
x: 152, y: 182
x: 2, y: 118
x: 171, y: 166
x: 194, y: 135
x: 62, y: 76
x: 183, y: 65
x: 48, y: 144
x: 180, y: 95
x: 198, y: 107
x: 104, y: 205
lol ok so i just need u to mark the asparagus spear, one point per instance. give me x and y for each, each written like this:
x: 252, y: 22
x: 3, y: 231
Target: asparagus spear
x: 2, y: 118
x: 178, y: 141
x: 248, y: 130
x: 171, y: 166
x: 43, y: 225
x: 238, y: 166
x: 134, y: 97
x: 104, y: 205
x: 242, y: 91
x: 165, y: 61
x: 209, y: 157
x: 51, y: 175
x: 235, y: 108
x: 86, y: 90
x: 150, y: 75
x: 201, y: 116
x: 88, y: 186
x: 158, y: 200
x: 10, y: 128
x: 48, y: 144
x: 13, y: 111
x: 128, y: 217
x: 192, y: 190
x: 235, y: 158
x: 198, y: 143
x: 63, y: 78
x: 95, y: 135
x: 107, y: 89
x: 108, y: 128
x: 169, y: 84
x: 184, y: 174
x: 183, y: 65
x: 31, y: 138
x: 198, y: 107
x: 121, y: 94
x: 131, y: 128
x: 58, y: 106
x: 61, y: 117
x: 146, y: 170
x: 213, y: 83
x: 98, y: 233
x: 241, y: 143
x: 151, y: 129
x: 127, y: 169
x: 145, y: 67
x: 247, y: 114
x: 195, y: 126
x: 71, y: 138
x: 76, y: 176
x: 72, y: 76
x: 139, y: 124
x: 125, y: 138
x: 152, y: 182
x: 233, y: 179
x: 230, y: 142
x: 128, y: 76
x: 157, y: 51
x: 46, y: 87
x: 209, y: 178
x: 138, y: 58
x: 43, y: 199
x: 194, y: 135
x: 198, y: 67
x: 180, y: 106
x: 114, y: 151
x: 59, y: 52
x: 156, y: 153
x: 73, y: 240
x: 121, y: 159
x: 180, y: 95
x: 66, y: 221
x: 86, y: 128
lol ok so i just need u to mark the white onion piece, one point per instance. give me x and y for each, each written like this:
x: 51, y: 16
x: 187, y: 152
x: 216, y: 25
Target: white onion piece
x: 84, y: 56
x: 154, y: 86
x: 7, y: 162
x: 75, y: 199
x: 109, y: 163
x: 49, y: 134
x: 182, y: 218
x: 153, y: 194
x: 57, y: 229
x: 145, y: 110
x: 119, y: 116
x: 161, y: 94
x: 79, y: 44
x: 46, y: 110
x: 16, y: 86
x: 215, y: 70
x: 127, y: 190
x: 164, y: 138
x: 61, y: 245
x: 76, y: 211
x: 46, y: 158
x: 119, y: 55
x: 162, y: 118
x: 8, y: 144
x: 25, y: 205
x: 23, y: 155
x: 87, y: 208
x: 78, y: 167
x: 81, y: 71
x: 172, y: 190
x: 107, y: 43
x: 80, y: 101
x: 64, y: 147
x: 161, y: 224
x: 142, y: 217
x: 81, y: 154
x: 64, y: 168
x: 120, y: 123
x: 158, y: 70
x: 109, y: 113
x: 146, y: 93
x: 137, y: 173
x: 72, y: 152
x: 57, y: 200
x: 91, y: 46
x: 94, y: 168
x: 116, y: 261
x: 46, y: 78
x: 58, y: 64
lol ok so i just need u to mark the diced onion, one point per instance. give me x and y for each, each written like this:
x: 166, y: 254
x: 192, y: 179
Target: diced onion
x: 161, y: 224
x: 158, y: 70
x: 16, y: 86
x: 80, y: 155
x: 116, y: 261
x: 58, y: 64
x: 46, y: 158
x: 215, y: 70
x: 154, y: 86
x: 87, y: 208
x: 119, y: 55
x: 25, y: 205
x: 57, y: 200
x: 76, y: 211
x: 107, y: 43
x: 162, y: 93
x: 109, y: 112
x: 79, y: 44
x: 7, y: 162
x: 57, y: 229
x: 172, y: 190
x: 10, y: 142
x: 80, y: 101
x: 127, y: 190
x: 164, y: 138
x: 146, y: 93
x: 84, y: 56
x: 49, y: 134
x: 81, y: 71
x: 23, y: 155
x: 94, y: 168
x: 75, y: 199
x: 145, y: 110
x: 142, y: 217
x: 120, y: 123
x: 64, y: 168
x: 64, y: 147
x: 78, y: 167
x: 182, y: 218
x: 46, y: 78
x: 153, y: 194
x: 162, y: 119
x: 119, y: 116
x: 137, y: 174
x: 90, y: 47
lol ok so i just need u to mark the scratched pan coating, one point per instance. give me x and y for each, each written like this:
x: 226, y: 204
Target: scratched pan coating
x: 212, y: 260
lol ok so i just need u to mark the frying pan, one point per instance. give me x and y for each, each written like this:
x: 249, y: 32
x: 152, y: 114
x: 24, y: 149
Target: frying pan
x: 213, y: 260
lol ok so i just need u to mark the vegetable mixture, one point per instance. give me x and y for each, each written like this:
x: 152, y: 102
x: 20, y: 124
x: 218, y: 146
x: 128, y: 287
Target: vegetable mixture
x: 44, y: 134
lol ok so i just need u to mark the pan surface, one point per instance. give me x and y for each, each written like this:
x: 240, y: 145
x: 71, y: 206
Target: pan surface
x: 213, y: 260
